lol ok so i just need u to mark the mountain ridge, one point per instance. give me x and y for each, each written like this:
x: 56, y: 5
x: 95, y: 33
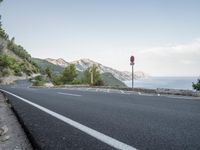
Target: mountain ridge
x: 83, y: 64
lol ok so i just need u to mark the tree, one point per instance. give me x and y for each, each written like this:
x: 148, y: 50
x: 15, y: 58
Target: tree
x: 69, y: 74
x: 12, y: 40
x: 0, y: 15
x: 48, y: 72
x: 57, y: 80
x: 196, y: 86
x: 93, y: 72
x: 87, y: 76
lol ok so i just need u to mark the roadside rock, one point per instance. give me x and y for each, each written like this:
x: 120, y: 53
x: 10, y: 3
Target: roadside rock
x: 178, y: 92
x: 48, y: 85
x: 12, y: 79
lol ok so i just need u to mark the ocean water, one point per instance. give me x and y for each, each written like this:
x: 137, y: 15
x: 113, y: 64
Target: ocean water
x: 164, y: 82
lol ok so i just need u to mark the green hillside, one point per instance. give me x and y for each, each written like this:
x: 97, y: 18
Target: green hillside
x: 14, y: 59
x: 110, y: 80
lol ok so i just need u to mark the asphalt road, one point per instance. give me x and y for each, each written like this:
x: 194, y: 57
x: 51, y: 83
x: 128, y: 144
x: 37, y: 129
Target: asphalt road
x: 105, y: 119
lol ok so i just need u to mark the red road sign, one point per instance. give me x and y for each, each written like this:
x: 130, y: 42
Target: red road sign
x: 132, y: 59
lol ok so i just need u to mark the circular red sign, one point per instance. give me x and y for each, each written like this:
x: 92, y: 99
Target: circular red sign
x: 132, y: 59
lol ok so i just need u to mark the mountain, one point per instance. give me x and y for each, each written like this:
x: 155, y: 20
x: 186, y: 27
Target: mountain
x: 43, y: 64
x: 137, y: 75
x: 110, y: 76
x: 61, y: 62
x: 83, y: 64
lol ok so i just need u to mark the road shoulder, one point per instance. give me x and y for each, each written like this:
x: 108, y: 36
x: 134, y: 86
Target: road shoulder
x: 12, y: 136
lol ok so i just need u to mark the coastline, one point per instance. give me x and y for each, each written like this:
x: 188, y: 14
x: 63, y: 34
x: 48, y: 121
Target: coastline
x: 166, y: 82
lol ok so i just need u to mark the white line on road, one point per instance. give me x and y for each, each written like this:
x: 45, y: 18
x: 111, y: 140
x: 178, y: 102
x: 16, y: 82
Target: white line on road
x: 122, y: 91
x: 69, y: 94
x: 100, y: 136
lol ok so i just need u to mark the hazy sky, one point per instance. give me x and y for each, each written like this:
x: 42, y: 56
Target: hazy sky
x: 164, y: 35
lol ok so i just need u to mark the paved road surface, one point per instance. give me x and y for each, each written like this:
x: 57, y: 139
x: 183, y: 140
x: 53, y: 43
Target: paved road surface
x: 105, y: 119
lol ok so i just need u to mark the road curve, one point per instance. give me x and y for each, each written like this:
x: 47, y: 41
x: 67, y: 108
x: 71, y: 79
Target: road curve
x: 135, y: 121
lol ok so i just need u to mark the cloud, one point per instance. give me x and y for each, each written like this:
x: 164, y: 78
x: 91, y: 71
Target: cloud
x: 180, y: 59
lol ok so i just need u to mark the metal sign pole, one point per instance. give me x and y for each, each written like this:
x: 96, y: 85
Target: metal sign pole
x: 132, y: 59
x: 132, y: 77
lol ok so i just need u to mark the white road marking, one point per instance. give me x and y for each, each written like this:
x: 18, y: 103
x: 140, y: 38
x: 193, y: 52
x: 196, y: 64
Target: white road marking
x: 69, y: 94
x: 100, y: 136
x: 122, y: 91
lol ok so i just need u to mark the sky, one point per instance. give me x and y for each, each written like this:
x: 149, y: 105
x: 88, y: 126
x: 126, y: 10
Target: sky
x: 163, y: 35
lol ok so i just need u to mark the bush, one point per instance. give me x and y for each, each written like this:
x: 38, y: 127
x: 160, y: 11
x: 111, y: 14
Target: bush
x: 26, y: 68
x: 18, y: 73
x: 57, y: 80
x: 38, y: 81
x: 196, y: 86
x: 6, y: 72
x: 6, y: 61
x: 99, y: 83
x: 76, y: 81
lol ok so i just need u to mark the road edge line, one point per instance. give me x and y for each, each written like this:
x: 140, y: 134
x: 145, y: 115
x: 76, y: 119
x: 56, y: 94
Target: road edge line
x: 100, y: 136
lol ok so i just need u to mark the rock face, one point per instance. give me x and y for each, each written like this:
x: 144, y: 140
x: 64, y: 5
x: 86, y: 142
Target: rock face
x: 83, y: 64
x: 61, y: 62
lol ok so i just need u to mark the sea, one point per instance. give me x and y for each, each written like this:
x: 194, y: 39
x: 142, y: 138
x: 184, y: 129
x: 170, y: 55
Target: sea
x: 184, y: 83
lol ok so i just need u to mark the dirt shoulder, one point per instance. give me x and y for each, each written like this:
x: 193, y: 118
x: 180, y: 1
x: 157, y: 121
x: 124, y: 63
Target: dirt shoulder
x: 12, y: 136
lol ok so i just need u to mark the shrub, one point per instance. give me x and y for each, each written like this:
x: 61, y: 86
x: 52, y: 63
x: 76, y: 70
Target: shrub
x: 99, y: 82
x: 57, y: 80
x: 6, y: 72
x: 196, y: 86
x: 76, y: 81
x: 38, y: 81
